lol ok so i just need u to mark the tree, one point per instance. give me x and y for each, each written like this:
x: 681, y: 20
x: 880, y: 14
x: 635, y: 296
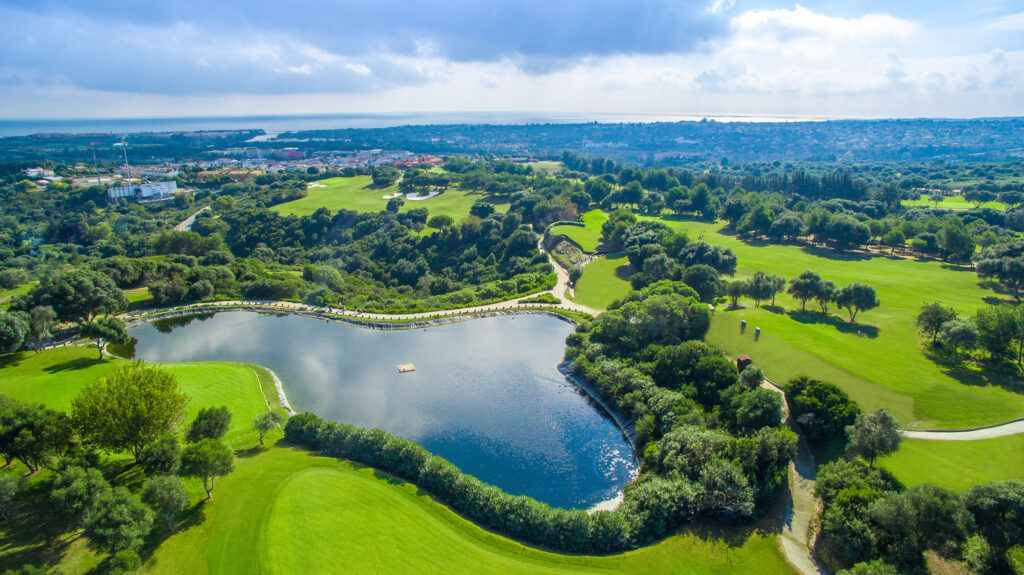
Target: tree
x: 704, y: 280
x: 395, y: 204
x: 441, y: 221
x: 825, y: 294
x: 118, y: 521
x: 34, y: 434
x: 483, y: 209
x: 873, y: 435
x: 1000, y: 330
x: 956, y: 244
x: 131, y: 407
x: 207, y: 460
x: 13, y: 330
x: 998, y: 510
x: 876, y: 567
x: 855, y: 298
x: 10, y: 488
x: 79, y: 296
x: 805, y: 287
x: 264, y: 422
x: 760, y: 288
x: 758, y: 408
x: 894, y: 238
x: 932, y: 317
x: 821, y: 408
x: 735, y: 290
x: 210, y: 423
x: 959, y: 335
x: 41, y: 321
x: 978, y: 197
x: 75, y: 489
x: 751, y: 377
x: 167, y: 495
x: 162, y: 457
x: 107, y: 329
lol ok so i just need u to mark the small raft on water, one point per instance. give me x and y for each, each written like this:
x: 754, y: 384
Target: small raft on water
x: 405, y: 367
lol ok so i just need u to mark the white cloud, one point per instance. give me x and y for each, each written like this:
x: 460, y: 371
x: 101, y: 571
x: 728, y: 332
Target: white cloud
x: 719, y: 6
x: 1009, y: 22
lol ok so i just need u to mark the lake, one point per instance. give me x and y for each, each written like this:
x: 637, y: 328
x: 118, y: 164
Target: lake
x: 486, y: 394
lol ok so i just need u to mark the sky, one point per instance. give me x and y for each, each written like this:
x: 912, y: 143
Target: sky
x: 839, y: 58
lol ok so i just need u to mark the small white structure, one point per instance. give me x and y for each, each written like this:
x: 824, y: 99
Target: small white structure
x: 153, y: 191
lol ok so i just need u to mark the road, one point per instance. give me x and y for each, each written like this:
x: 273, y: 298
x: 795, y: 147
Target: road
x: 186, y: 224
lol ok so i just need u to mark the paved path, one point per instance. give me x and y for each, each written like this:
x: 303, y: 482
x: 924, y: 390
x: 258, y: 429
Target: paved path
x: 801, y: 504
x: 1002, y: 430
x: 186, y: 224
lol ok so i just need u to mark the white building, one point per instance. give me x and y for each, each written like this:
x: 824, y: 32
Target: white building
x: 153, y: 191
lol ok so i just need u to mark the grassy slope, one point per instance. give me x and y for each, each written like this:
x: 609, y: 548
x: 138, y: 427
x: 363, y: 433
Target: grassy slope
x: 888, y: 368
x: 356, y: 194
x: 285, y: 511
x: 6, y: 295
x: 324, y: 514
x: 587, y: 238
x: 957, y: 465
x: 953, y: 203
x: 603, y: 281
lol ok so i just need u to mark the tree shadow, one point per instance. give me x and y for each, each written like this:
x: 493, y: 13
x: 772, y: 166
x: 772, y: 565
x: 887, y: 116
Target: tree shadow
x: 187, y: 519
x: 75, y: 364
x: 36, y: 530
x: 815, y: 317
x: 250, y: 452
x: 956, y: 267
x: 11, y: 359
x: 836, y: 255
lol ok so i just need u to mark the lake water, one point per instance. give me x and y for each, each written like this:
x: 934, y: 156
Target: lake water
x: 486, y: 394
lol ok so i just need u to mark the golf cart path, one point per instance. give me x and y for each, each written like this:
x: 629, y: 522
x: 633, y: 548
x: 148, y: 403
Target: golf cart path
x: 1001, y: 430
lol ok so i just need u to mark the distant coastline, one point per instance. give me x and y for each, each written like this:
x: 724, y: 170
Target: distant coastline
x: 24, y: 127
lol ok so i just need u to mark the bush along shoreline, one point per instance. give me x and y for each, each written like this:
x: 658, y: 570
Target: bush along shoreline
x: 711, y: 441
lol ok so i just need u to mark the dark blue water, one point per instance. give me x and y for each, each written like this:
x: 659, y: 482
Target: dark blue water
x: 486, y: 394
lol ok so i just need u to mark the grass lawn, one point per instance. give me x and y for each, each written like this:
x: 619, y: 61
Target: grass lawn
x: 886, y: 366
x: 357, y: 194
x: 953, y: 203
x: 604, y: 280
x: 957, y: 465
x: 6, y: 295
x: 587, y: 238
x: 547, y: 168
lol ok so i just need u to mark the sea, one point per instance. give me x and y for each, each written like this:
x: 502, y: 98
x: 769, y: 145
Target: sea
x: 285, y: 123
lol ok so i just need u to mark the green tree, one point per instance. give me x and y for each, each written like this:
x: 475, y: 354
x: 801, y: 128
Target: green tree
x: 441, y: 221
x: 998, y: 511
x: 876, y: 567
x: 894, y: 238
x: 131, y: 407
x: 735, y: 290
x: 41, y: 321
x: 207, y: 460
x: 10, y: 488
x: 264, y: 422
x: 13, y: 330
x: 162, y: 457
x: 167, y: 495
x: 873, y: 435
x: 75, y: 490
x: 959, y: 336
x: 955, y: 243
x: 78, y: 296
x: 999, y: 330
x: 704, y: 280
x: 760, y: 287
x: 210, y: 423
x: 856, y: 297
x: 805, y: 287
x: 758, y: 408
x: 107, y: 329
x: 932, y: 317
x: 825, y: 294
x: 117, y: 521
x: 395, y: 204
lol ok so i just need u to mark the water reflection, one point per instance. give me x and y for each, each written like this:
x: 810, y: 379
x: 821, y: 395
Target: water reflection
x: 486, y: 394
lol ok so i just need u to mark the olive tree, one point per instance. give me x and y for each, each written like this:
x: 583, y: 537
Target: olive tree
x: 210, y: 423
x: 167, y: 495
x: 264, y: 422
x: 856, y: 297
x: 207, y: 460
x: 118, y: 521
x: 129, y: 408
x: 873, y: 435
x: 932, y: 317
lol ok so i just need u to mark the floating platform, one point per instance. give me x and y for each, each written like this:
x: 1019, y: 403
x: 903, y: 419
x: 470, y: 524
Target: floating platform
x: 406, y: 367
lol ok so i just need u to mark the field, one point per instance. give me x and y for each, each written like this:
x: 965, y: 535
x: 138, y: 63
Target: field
x: 604, y: 280
x: 284, y: 510
x: 357, y: 194
x: 957, y: 465
x: 6, y: 295
x: 953, y: 203
x: 882, y: 366
x: 589, y: 237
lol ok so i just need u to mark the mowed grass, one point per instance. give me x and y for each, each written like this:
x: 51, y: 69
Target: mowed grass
x: 604, y: 280
x: 356, y: 193
x: 886, y: 365
x: 586, y: 238
x: 957, y: 465
x: 285, y: 510
x: 55, y: 376
x: 953, y: 203
x: 8, y: 295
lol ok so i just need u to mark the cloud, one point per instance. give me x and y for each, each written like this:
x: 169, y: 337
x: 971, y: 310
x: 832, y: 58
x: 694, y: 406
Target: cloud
x: 1009, y: 22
